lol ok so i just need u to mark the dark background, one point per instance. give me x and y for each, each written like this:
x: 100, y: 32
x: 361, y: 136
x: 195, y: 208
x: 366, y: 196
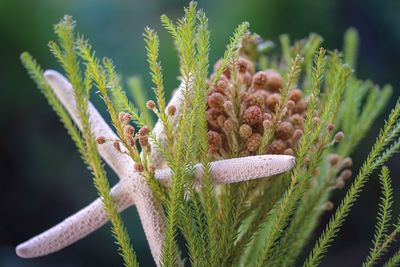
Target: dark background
x: 42, y: 178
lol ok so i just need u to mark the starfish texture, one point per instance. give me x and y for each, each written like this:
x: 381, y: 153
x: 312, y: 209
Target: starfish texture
x: 132, y: 188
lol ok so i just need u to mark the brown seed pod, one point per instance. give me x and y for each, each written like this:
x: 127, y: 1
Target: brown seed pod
x: 138, y: 167
x: 129, y: 130
x: 252, y: 115
x: 242, y: 64
x: 253, y: 142
x: 101, y: 140
x: 212, y: 117
x: 277, y: 147
x: 150, y: 104
x: 297, y: 121
x: 260, y: 80
x: 301, y: 106
x: 171, y: 109
x: 296, y: 95
x: 285, y: 130
x: 214, y: 141
x: 274, y: 82
x: 216, y: 100
x: 245, y: 131
x: 273, y: 100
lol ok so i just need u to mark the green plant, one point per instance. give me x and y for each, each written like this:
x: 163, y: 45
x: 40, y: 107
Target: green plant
x: 235, y: 112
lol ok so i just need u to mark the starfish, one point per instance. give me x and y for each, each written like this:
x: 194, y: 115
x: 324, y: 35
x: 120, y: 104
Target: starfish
x: 132, y: 188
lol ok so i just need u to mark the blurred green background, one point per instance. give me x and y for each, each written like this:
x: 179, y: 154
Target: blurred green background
x: 42, y: 176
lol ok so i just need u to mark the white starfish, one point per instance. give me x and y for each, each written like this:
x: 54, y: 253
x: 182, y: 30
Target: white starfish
x: 132, y: 188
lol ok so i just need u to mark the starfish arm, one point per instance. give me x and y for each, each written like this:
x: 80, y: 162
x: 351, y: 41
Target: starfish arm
x: 119, y: 162
x: 240, y: 169
x: 152, y: 218
x: 74, y: 227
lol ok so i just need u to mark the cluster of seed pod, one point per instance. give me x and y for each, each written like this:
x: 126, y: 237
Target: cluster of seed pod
x: 130, y: 137
x: 241, y: 106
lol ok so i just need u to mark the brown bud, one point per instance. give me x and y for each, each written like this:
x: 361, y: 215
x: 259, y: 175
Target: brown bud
x: 347, y: 162
x: 277, y: 147
x: 121, y: 116
x: 333, y: 159
x: 253, y: 142
x: 297, y: 121
x: 245, y: 131
x: 216, y: 100
x: 284, y: 130
x: 228, y: 125
x: 340, y: 183
x: 274, y: 82
x: 228, y: 106
x: 330, y: 127
x: 346, y: 174
x: 273, y: 100
x: 242, y: 65
x: 295, y: 95
x: 101, y: 140
x: 214, y: 141
x: 252, y: 115
x: 245, y: 78
x: 301, y: 106
x: 338, y: 136
x: 290, y: 105
x: 150, y: 104
x: 130, y: 140
x: 221, y: 85
x: 127, y: 118
x: 143, y: 140
x: 144, y: 131
x: 329, y: 205
x: 260, y: 80
x: 171, y: 109
x: 267, y: 124
x: 289, y: 152
x: 297, y: 134
x: 117, y: 146
x: 212, y: 117
x: 129, y: 130
x: 138, y: 167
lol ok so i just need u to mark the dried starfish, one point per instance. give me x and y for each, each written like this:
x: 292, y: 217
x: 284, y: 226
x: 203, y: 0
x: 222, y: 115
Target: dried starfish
x: 132, y: 188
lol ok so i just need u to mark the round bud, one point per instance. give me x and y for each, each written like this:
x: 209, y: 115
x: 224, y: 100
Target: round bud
x: 216, y: 100
x: 214, y: 141
x: 273, y: 100
x: 260, y: 80
x: 274, y: 82
x: 338, y: 136
x: 101, y: 140
x: 284, y: 130
x: 290, y: 105
x: 228, y: 125
x: 297, y: 134
x: 242, y: 65
x: 171, y: 109
x: 150, y: 104
x: 333, y: 159
x: 296, y: 95
x: 340, y: 183
x: 347, y: 162
x: 245, y: 131
x: 117, y: 146
x: 129, y: 130
x: 289, y: 152
x: 228, y: 106
x: 330, y: 127
x: 301, y: 106
x: 252, y: 115
x: 144, y: 131
x: 130, y: 140
x: 121, y: 116
x: 329, y: 205
x: 127, y: 118
x: 253, y: 142
x: 346, y: 174
x: 138, y: 167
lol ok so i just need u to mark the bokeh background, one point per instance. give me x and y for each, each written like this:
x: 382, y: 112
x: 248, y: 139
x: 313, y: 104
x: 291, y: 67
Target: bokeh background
x: 42, y: 178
